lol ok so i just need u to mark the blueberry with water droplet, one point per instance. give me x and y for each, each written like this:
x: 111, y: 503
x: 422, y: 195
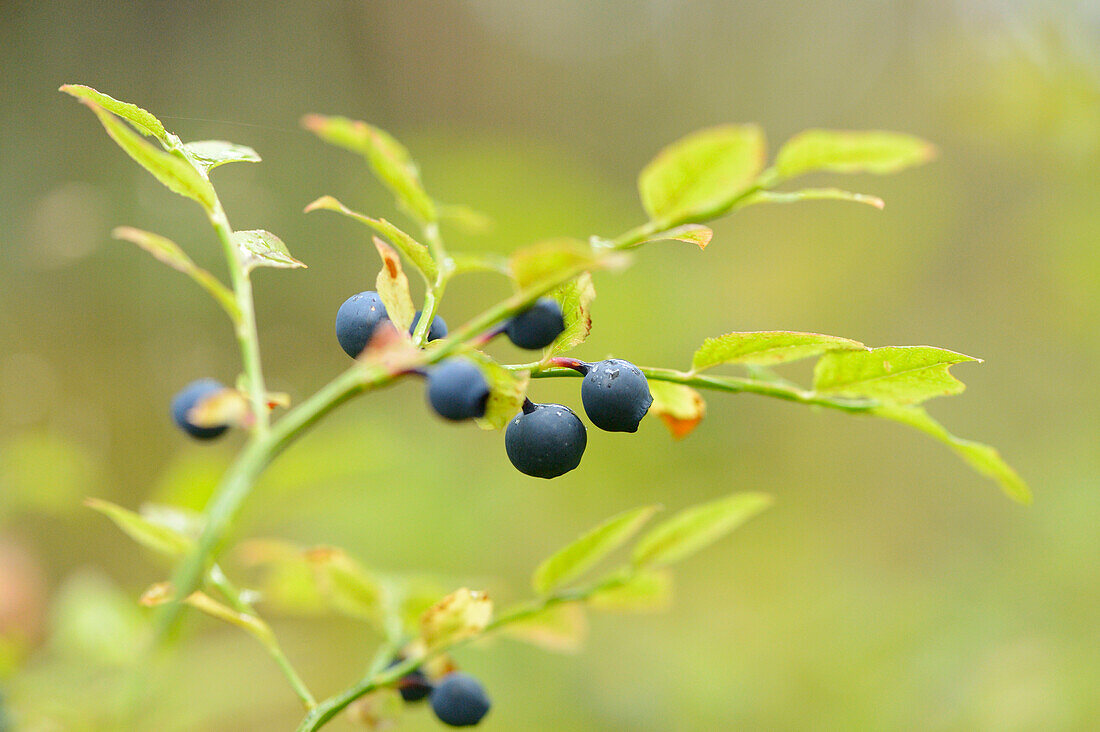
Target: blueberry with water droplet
x: 615, y: 395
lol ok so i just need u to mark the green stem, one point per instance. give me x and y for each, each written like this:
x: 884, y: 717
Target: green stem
x: 320, y: 715
x: 219, y: 580
x: 434, y: 293
x: 247, y: 335
x: 292, y: 676
x: 732, y: 384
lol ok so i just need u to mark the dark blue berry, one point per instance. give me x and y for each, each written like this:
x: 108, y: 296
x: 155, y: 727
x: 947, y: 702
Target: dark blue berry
x: 414, y: 685
x: 457, y: 390
x: 437, y: 330
x: 538, y: 326
x: 459, y: 700
x: 356, y: 320
x: 187, y: 399
x: 545, y: 440
x: 615, y: 395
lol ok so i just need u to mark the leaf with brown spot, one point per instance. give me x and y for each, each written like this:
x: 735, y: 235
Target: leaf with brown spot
x: 393, y: 287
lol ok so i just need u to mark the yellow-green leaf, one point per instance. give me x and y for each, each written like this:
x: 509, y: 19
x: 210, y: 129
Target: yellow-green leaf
x: 583, y: 553
x: 767, y: 347
x: 814, y: 194
x: 388, y: 158
x: 680, y: 407
x: 143, y: 121
x: 349, y: 587
x: 506, y: 392
x: 172, y: 170
x: 982, y: 458
x: 259, y: 248
x: 703, y: 174
x: 537, y: 263
x: 892, y: 375
x: 646, y: 591
x: 212, y: 153
x: 696, y: 234
x: 694, y: 528
x: 461, y: 614
x: 393, y: 287
x: 161, y: 539
x: 576, y: 298
x: 842, y: 151
x: 168, y: 252
x: 560, y: 628
x: 416, y: 252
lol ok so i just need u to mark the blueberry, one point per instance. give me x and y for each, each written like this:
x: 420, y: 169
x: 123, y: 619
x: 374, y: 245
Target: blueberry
x: 187, y: 399
x: 457, y: 389
x: 414, y: 685
x: 615, y: 395
x: 437, y: 330
x: 545, y: 440
x: 356, y: 320
x: 459, y: 700
x: 538, y: 326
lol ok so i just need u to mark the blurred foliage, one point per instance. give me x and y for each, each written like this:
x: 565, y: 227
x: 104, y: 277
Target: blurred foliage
x: 888, y: 587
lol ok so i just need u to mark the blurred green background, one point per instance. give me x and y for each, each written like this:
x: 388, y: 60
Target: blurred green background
x: 889, y: 588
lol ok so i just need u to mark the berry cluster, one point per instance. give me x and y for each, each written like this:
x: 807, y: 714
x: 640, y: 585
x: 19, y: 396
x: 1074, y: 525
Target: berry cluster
x: 457, y: 699
x: 543, y: 440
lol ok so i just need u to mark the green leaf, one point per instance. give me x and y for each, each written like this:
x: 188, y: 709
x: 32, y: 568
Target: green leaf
x: 479, y: 262
x: 506, y: 392
x: 259, y: 248
x: 145, y: 122
x: 701, y: 175
x: 814, y: 194
x: 349, y: 587
x: 393, y: 288
x: 416, y: 252
x: 468, y: 219
x: 176, y: 173
x: 583, y: 553
x: 680, y: 407
x: 696, y: 234
x: 767, y: 347
x: 576, y: 298
x: 560, y: 628
x: 982, y: 458
x: 153, y: 536
x: 537, y: 263
x: 893, y: 374
x: 461, y: 614
x: 162, y: 592
x: 388, y: 158
x: 212, y: 153
x: 851, y: 152
x: 694, y: 528
x: 168, y: 252
x: 645, y: 591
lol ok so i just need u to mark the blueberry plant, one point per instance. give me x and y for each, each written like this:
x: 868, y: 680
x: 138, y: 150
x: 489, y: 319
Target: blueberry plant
x: 704, y: 176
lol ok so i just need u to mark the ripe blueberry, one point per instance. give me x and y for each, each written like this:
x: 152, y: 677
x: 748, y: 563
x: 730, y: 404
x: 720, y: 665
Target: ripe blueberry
x: 546, y: 440
x: 615, y: 395
x: 187, y: 399
x: 414, y: 685
x: 356, y: 320
x: 459, y: 700
x: 457, y: 389
x: 538, y: 326
x: 437, y: 330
